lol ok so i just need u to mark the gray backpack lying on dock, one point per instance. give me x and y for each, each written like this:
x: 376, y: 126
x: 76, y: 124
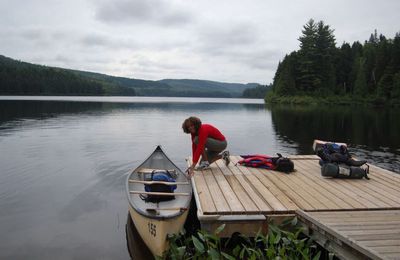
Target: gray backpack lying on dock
x: 344, y: 171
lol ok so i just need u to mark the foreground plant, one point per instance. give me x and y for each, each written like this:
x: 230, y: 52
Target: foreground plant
x: 282, y: 242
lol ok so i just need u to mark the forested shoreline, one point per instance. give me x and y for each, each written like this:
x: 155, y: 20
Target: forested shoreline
x: 22, y: 78
x: 321, y: 72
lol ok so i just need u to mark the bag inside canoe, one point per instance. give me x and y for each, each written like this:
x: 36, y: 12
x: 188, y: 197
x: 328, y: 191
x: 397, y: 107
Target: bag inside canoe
x: 159, y: 176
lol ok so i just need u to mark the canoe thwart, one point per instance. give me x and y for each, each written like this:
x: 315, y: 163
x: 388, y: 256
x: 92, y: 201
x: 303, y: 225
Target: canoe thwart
x: 159, y: 182
x: 160, y: 193
x: 150, y: 170
x: 157, y: 210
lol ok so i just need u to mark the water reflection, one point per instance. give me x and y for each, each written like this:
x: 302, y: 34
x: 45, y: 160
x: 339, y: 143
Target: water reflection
x: 136, y: 246
x: 11, y: 110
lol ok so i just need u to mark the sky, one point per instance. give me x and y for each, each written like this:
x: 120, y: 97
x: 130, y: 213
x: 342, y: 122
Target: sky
x: 219, y: 40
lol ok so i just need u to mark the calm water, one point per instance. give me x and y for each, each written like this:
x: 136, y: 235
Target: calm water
x: 63, y: 163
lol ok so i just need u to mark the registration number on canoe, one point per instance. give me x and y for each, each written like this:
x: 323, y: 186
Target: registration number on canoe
x: 152, y: 228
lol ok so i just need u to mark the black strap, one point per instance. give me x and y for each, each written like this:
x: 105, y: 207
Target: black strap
x: 366, y: 172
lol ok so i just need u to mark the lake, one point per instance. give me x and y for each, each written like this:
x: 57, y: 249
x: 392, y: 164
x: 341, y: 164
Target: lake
x: 64, y: 160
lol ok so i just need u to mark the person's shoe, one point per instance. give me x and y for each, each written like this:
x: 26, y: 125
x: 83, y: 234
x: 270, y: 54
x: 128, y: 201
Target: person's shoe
x: 203, y: 165
x: 225, y: 157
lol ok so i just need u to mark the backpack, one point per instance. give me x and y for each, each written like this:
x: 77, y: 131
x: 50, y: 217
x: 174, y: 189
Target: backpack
x: 332, y: 152
x: 336, y: 153
x: 284, y: 164
x: 159, y: 175
x: 344, y: 171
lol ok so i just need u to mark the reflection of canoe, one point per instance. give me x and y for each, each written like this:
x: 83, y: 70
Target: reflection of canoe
x: 155, y: 220
x: 136, y: 247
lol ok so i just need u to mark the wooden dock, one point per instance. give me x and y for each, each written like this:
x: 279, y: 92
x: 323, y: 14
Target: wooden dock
x: 372, y: 234
x: 245, y: 198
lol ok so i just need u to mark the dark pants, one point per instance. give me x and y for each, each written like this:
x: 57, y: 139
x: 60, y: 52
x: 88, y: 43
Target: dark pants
x: 213, y: 147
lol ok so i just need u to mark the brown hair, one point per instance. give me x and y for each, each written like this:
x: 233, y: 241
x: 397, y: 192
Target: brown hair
x: 195, y: 121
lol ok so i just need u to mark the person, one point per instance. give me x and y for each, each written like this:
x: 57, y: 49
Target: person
x: 207, y: 142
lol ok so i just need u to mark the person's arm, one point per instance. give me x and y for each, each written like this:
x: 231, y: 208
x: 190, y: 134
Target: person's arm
x: 200, y: 145
x: 190, y: 170
x: 197, y: 150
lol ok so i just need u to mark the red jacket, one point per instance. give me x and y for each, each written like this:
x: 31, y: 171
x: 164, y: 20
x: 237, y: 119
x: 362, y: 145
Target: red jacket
x: 204, y: 132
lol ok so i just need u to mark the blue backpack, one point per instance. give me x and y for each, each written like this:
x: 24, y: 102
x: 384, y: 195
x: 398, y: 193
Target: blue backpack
x: 164, y: 176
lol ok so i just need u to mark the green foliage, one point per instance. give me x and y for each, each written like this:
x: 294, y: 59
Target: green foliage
x: 364, y: 73
x: 360, y: 85
x: 396, y: 87
x: 282, y: 242
x: 257, y: 92
x: 285, y: 84
x: 21, y: 78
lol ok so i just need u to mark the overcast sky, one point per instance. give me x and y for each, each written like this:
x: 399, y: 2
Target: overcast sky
x: 226, y: 40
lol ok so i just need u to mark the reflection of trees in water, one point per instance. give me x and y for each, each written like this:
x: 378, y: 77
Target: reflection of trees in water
x: 14, y: 110
x: 22, y: 109
x: 371, y: 127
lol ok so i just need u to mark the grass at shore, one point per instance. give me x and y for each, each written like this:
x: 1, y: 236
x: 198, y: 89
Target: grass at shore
x: 272, y: 98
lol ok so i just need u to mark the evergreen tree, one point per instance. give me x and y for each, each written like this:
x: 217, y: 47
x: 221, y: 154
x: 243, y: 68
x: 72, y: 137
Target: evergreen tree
x: 285, y: 84
x: 360, y: 85
x: 369, y: 53
x: 325, y: 45
x: 308, y: 78
x: 344, y: 62
x: 373, y: 39
x: 356, y: 52
x: 396, y: 87
x: 382, y: 57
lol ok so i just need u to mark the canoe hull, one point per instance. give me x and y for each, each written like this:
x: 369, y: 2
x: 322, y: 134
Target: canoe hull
x: 154, y: 232
x: 317, y: 144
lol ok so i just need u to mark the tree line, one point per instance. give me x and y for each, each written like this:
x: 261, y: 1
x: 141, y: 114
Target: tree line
x: 21, y: 78
x: 256, y: 92
x: 366, y: 72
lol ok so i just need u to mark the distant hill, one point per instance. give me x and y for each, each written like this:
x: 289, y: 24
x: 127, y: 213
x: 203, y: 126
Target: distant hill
x: 22, y: 78
x: 175, y: 87
x: 206, y: 86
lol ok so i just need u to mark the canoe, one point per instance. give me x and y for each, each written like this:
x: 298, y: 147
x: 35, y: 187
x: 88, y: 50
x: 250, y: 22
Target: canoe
x: 153, y: 218
x: 319, y: 143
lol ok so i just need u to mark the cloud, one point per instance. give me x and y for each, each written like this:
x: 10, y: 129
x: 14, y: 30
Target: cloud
x: 155, y: 12
x: 218, y: 37
x: 226, y: 40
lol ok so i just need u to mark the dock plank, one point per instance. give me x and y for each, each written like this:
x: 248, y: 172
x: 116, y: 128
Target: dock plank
x: 248, y: 204
x: 246, y: 185
x: 306, y: 186
x: 221, y: 205
x: 226, y: 190
x: 266, y: 191
x: 203, y: 193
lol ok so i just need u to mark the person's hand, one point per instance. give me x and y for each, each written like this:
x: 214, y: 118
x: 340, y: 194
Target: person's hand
x: 190, y: 171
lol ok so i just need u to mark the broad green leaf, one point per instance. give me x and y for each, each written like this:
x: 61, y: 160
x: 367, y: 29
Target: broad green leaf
x: 219, y: 229
x: 226, y: 256
x: 214, y: 254
x: 198, y: 245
